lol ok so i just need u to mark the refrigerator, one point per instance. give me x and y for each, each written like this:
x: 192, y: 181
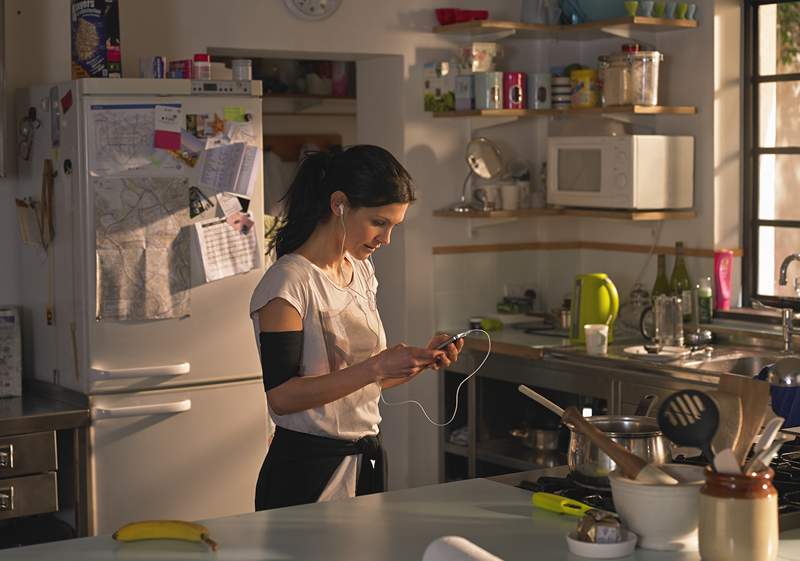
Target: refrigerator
x: 179, y: 424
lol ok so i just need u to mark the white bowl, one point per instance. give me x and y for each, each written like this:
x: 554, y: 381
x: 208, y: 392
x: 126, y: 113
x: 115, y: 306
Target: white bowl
x: 664, y: 516
x: 602, y: 550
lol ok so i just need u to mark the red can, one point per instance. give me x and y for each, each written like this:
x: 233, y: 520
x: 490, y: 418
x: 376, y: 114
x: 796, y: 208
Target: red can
x: 515, y: 86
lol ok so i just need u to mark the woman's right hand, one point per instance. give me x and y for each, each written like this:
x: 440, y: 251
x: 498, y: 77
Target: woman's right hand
x: 402, y: 361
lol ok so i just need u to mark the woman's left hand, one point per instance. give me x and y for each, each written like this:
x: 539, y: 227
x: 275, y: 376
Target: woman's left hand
x: 451, y: 351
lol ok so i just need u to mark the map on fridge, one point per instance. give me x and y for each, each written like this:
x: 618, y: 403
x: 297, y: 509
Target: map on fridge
x: 122, y: 141
x: 142, y: 247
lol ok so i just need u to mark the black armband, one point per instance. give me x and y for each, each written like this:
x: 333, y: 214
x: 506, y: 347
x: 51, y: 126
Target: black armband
x: 281, y: 353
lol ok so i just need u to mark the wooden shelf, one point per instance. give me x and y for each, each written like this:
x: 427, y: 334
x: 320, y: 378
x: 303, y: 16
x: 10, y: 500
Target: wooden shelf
x: 579, y: 32
x: 570, y: 245
x: 611, y: 110
x: 510, y: 453
x: 634, y: 215
x: 307, y: 96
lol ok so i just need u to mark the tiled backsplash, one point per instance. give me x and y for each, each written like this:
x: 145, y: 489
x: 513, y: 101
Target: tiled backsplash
x: 470, y: 284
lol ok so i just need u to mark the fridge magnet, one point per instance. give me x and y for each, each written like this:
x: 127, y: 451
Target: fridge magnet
x: 66, y: 102
x: 199, y: 125
x: 198, y: 202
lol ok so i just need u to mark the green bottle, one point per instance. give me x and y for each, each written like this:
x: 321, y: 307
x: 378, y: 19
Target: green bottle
x: 661, y: 286
x: 680, y: 284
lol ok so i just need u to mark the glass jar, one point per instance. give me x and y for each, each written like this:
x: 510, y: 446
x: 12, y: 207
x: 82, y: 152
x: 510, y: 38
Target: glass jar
x: 617, y: 81
x: 738, y: 517
x: 644, y: 77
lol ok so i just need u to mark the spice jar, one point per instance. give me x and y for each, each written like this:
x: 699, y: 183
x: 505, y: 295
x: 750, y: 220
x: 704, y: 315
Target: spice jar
x: 738, y: 517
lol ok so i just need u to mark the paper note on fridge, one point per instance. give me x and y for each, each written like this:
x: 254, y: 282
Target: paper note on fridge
x: 167, y: 127
x: 229, y: 168
x: 228, y: 246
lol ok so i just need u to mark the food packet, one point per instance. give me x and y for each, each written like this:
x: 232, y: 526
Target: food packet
x: 600, y: 526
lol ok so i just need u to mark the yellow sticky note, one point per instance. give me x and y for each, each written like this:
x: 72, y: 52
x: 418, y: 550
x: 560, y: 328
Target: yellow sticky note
x: 234, y: 114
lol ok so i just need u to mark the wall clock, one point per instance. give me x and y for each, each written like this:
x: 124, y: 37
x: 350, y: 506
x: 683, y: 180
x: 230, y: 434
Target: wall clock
x: 312, y: 9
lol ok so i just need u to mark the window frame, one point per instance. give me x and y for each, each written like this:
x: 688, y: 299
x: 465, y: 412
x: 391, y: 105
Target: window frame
x: 751, y: 152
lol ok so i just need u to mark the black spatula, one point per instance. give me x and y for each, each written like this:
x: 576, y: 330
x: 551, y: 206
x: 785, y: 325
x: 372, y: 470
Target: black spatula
x: 690, y: 418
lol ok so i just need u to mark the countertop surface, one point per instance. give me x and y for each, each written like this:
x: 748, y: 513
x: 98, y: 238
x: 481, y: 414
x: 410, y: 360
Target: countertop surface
x: 38, y: 410
x: 391, y: 526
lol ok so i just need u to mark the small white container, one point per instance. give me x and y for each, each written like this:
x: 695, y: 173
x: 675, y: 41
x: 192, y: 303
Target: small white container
x: 242, y: 69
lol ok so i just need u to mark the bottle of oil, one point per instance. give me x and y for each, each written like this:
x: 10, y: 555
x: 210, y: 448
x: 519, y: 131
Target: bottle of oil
x: 680, y: 284
x: 661, y: 286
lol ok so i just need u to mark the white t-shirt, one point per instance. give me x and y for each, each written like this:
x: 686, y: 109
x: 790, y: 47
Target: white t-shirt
x: 341, y: 327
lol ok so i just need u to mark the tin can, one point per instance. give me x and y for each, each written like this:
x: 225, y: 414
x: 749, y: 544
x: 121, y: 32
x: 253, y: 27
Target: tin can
x: 465, y: 93
x: 515, y: 85
x: 153, y: 67
x: 585, y: 92
x: 488, y: 90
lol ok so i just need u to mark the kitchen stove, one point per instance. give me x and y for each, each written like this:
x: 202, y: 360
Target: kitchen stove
x: 787, y: 481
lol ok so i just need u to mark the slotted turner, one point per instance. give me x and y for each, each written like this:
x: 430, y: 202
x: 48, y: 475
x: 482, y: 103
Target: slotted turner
x: 690, y: 418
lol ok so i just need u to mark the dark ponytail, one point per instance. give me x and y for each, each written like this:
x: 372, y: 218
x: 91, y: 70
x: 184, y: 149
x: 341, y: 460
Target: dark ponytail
x: 369, y: 175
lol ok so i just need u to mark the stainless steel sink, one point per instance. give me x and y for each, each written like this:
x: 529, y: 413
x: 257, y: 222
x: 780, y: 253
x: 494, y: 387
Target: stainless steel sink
x: 735, y: 363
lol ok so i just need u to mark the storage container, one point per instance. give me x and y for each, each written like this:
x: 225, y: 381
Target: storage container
x: 584, y: 88
x: 465, y: 93
x: 488, y: 90
x: 515, y: 86
x: 738, y: 517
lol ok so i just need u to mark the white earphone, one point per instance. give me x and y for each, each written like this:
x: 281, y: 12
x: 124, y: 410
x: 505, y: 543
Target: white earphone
x: 341, y: 210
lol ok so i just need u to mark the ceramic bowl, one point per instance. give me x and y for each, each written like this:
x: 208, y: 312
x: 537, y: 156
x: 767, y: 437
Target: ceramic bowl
x: 664, y: 516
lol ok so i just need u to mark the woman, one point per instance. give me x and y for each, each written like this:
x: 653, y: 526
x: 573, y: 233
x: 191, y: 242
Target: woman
x: 322, y: 344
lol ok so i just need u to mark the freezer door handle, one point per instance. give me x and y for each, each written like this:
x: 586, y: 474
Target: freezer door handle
x: 141, y: 372
x: 142, y: 410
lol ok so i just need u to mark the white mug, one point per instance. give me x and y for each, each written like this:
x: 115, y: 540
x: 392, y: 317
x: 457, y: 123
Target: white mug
x: 596, y: 338
x: 509, y: 192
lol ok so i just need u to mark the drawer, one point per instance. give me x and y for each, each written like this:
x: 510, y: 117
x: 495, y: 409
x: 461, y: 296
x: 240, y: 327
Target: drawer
x: 24, y: 454
x: 33, y: 494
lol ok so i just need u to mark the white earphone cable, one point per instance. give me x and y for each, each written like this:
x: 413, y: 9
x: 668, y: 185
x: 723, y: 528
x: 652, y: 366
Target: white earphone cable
x: 458, y: 389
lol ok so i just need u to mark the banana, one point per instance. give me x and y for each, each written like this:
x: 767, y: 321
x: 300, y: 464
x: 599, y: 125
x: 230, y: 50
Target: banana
x: 164, y: 530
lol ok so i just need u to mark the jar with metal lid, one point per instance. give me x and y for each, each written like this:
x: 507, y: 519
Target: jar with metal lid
x: 644, y: 76
x: 617, y: 81
x: 738, y: 517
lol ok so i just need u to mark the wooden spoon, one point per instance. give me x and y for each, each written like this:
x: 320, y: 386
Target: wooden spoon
x: 633, y: 467
x: 755, y: 402
x: 541, y: 400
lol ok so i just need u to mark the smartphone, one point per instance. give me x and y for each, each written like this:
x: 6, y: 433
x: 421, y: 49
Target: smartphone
x: 452, y: 339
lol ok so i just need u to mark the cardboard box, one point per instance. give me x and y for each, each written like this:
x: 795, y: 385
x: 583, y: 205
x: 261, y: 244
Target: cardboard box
x: 440, y: 86
x: 95, y: 39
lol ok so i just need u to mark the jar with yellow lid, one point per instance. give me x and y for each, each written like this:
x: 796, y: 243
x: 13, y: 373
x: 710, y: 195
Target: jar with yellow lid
x: 738, y: 518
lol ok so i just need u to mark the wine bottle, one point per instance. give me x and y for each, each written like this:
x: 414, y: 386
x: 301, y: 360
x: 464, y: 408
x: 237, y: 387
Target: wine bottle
x: 680, y: 283
x: 661, y: 286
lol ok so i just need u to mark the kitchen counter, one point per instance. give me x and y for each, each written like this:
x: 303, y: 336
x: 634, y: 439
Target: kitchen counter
x: 391, y: 526
x: 42, y: 407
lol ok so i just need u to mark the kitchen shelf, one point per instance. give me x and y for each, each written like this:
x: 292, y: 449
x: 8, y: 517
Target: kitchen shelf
x: 510, y: 453
x: 611, y: 110
x: 307, y: 96
x: 634, y: 215
x: 579, y: 32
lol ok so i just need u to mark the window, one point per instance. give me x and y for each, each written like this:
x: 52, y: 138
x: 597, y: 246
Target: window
x: 771, y: 150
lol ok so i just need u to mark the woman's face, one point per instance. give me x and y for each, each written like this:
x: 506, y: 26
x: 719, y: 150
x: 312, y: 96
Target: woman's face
x: 368, y: 228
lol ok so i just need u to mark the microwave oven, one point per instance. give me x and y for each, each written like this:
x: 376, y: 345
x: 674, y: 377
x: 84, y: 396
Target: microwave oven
x: 635, y: 172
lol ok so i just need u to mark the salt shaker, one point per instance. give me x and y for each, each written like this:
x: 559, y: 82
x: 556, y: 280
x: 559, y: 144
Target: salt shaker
x: 738, y: 517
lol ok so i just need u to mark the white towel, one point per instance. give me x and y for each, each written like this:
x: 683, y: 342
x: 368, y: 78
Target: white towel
x: 456, y: 548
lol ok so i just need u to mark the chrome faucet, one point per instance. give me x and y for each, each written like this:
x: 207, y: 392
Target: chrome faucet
x: 787, y: 323
x: 785, y: 265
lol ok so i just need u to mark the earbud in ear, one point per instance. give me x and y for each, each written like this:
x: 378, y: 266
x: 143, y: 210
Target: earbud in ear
x: 341, y: 210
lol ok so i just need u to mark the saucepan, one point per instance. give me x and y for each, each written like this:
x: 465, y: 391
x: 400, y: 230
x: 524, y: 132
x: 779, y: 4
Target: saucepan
x: 638, y: 433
